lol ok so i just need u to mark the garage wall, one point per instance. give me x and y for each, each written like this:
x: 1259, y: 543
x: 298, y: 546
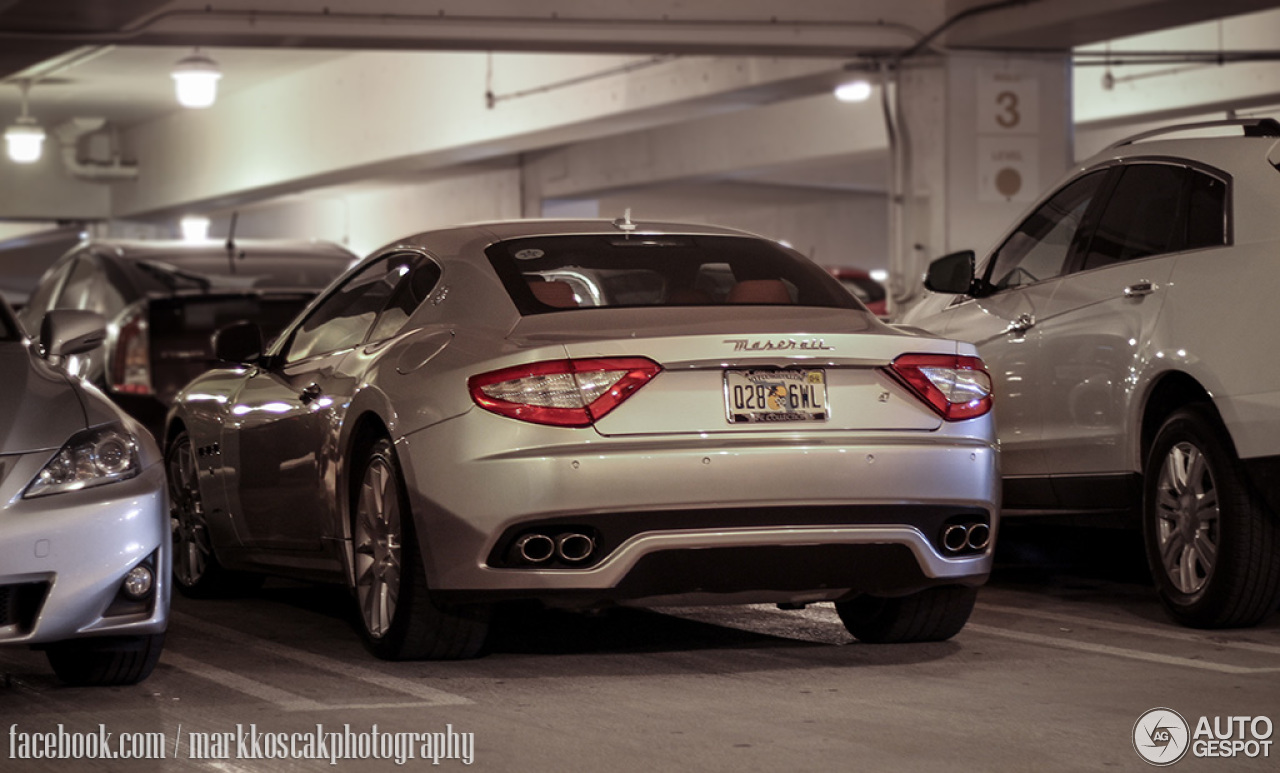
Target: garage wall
x: 363, y: 220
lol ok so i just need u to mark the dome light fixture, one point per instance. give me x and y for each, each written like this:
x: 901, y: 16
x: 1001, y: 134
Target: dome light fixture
x: 854, y: 91
x: 195, y: 79
x: 24, y: 139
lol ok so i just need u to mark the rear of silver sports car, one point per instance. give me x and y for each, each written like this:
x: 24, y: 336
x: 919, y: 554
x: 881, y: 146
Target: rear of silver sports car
x: 785, y: 455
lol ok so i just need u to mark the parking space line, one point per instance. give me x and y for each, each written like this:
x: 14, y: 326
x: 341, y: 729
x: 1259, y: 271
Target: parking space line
x: 427, y: 696
x: 1164, y: 633
x: 1120, y: 652
x: 283, y: 699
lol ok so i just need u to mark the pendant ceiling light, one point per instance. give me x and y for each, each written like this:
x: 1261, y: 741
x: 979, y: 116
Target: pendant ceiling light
x: 195, y: 79
x: 24, y: 139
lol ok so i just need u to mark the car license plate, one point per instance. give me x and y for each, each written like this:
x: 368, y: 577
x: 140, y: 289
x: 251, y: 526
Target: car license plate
x: 759, y: 396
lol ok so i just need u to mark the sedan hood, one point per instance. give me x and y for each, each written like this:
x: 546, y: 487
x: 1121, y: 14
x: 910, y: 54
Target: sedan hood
x: 40, y: 406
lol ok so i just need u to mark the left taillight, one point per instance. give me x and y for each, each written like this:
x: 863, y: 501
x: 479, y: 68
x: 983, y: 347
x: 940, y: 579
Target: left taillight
x: 957, y: 387
x: 564, y: 393
x: 130, y: 365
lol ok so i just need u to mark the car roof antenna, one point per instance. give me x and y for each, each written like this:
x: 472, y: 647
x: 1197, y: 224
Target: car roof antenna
x: 624, y: 223
x: 231, y: 241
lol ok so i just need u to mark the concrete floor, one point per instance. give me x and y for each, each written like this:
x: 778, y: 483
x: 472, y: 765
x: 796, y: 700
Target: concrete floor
x: 1067, y: 649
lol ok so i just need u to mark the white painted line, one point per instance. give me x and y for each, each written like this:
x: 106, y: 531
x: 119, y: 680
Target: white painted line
x: 427, y: 696
x: 1164, y: 633
x: 1119, y: 652
x: 251, y: 687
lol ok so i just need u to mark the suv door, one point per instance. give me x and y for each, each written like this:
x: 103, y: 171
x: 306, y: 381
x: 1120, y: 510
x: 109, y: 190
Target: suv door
x: 1017, y: 283
x: 1097, y: 329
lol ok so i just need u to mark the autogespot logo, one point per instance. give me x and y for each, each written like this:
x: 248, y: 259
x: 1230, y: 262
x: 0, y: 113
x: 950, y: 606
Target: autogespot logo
x: 1160, y: 736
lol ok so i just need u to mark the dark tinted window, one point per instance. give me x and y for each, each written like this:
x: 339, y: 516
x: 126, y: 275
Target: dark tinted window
x: 1038, y: 250
x: 406, y: 297
x: 8, y: 325
x: 1206, y: 212
x: 1142, y: 216
x: 552, y: 273
x: 345, y: 317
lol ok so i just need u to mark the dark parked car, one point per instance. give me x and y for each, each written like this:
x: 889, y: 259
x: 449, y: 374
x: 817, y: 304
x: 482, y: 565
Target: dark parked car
x: 163, y: 300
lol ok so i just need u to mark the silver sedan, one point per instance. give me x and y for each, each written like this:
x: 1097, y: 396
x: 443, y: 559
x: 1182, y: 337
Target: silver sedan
x: 84, y: 525
x: 588, y: 413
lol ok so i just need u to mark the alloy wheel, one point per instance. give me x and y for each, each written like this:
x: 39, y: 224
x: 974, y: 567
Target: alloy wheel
x: 377, y: 547
x: 191, y: 546
x: 1187, y: 518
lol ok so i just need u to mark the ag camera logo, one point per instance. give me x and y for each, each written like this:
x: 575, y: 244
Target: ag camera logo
x: 1160, y: 736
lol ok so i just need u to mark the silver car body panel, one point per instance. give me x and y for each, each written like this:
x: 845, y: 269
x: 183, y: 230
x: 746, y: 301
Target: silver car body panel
x: 78, y: 545
x: 274, y: 461
x: 1109, y: 351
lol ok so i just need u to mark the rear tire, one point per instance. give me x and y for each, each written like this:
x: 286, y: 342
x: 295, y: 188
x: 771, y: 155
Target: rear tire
x: 1212, y: 544
x: 196, y: 570
x: 398, y: 618
x: 99, y: 662
x: 933, y: 614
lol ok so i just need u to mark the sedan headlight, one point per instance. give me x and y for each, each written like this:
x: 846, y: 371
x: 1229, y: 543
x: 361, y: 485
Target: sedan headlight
x: 90, y: 458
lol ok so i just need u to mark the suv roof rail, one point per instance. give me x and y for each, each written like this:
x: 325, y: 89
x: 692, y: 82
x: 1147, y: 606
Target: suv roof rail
x: 1253, y: 127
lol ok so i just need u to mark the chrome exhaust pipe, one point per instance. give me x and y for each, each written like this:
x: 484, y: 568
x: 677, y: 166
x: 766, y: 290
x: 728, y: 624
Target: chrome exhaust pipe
x: 979, y: 536
x: 955, y: 537
x: 535, y: 548
x: 574, y: 547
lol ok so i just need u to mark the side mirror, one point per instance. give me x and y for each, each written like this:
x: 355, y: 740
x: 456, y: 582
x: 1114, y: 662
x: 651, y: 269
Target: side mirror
x: 951, y: 274
x: 239, y: 342
x: 64, y: 332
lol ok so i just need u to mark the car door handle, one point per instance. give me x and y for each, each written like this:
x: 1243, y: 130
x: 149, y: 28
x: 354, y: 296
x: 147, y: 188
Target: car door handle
x: 309, y: 392
x: 1139, y: 289
x: 1022, y: 324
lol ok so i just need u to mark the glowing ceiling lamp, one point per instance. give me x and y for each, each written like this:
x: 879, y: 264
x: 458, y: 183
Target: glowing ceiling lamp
x: 25, y: 138
x: 854, y: 91
x: 195, y: 228
x: 195, y: 78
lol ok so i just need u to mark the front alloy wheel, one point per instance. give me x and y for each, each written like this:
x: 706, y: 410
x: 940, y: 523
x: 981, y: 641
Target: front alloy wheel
x: 192, y: 550
x: 196, y: 569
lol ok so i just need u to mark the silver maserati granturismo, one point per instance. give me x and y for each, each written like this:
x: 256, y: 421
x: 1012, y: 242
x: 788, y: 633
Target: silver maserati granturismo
x: 588, y: 413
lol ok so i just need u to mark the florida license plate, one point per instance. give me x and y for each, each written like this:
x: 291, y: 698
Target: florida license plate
x: 759, y: 396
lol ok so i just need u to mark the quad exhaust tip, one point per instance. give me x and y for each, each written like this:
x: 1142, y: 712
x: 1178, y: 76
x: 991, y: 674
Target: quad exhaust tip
x: 959, y: 537
x: 570, y: 548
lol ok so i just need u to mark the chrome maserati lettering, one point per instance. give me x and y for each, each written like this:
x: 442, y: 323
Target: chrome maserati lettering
x: 780, y: 345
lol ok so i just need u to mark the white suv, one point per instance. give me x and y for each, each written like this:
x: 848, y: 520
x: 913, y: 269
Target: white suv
x: 1125, y: 321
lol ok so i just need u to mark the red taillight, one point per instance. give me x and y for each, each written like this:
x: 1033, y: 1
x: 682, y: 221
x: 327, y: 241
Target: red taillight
x: 131, y: 359
x: 956, y: 386
x: 566, y: 393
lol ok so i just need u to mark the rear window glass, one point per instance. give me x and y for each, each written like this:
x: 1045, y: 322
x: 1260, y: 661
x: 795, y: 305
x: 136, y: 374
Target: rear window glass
x: 555, y: 273
x: 185, y: 272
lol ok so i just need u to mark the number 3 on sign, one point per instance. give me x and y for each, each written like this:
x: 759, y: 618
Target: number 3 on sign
x: 1008, y: 115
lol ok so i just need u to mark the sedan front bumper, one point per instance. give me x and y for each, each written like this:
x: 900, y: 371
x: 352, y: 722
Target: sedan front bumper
x: 63, y: 557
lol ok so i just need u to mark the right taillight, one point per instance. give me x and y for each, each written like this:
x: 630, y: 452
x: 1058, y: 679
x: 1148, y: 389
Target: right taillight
x: 955, y: 386
x: 130, y: 364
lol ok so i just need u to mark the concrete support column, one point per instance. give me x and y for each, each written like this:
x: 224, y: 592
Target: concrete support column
x: 974, y: 140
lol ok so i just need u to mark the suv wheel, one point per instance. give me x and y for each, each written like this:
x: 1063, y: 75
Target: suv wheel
x: 1212, y: 545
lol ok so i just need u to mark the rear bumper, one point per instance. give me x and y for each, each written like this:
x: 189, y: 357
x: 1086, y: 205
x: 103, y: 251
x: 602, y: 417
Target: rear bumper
x: 771, y: 515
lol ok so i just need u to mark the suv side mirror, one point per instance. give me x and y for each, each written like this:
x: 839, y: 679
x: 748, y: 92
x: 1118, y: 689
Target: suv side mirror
x: 64, y: 332
x: 239, y: 342
x: 952, y: 273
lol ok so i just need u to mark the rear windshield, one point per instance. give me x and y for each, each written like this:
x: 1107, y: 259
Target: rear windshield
x: 250, y: 272
x: 555, y: 273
